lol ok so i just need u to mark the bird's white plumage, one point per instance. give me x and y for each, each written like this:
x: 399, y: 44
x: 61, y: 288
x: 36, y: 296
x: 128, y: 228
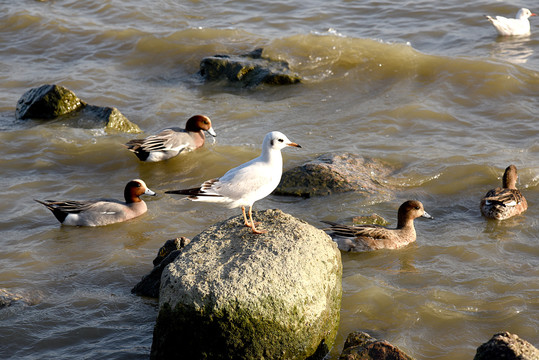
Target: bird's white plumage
x: 247, y: 183
x: 251, y: 181
x: 512, y: 27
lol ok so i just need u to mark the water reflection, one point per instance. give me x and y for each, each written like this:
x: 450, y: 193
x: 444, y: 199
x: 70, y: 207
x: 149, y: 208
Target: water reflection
x: 513, y: 49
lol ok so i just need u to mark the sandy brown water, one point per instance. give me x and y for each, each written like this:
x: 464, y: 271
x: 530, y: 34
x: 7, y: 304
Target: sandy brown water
x: 426, y: 87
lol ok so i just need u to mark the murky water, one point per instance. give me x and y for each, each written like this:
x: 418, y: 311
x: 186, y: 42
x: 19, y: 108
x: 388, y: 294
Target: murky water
x: 425, y: 86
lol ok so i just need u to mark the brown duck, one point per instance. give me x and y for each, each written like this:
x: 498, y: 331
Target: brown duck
x: 375, y: 237
x: 506, y: 201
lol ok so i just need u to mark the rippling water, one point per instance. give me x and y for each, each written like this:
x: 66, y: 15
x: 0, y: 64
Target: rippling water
x: 425, y: 86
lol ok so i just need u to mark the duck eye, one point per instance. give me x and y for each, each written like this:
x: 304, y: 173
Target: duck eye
x: 417, y: 207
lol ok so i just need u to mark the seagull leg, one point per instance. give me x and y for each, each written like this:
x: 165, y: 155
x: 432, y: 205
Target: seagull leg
x: 255, y: 231
x: 245, y: 217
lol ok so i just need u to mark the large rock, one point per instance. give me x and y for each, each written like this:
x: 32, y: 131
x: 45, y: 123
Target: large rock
x: 336, y: 173
x: 233, y: 294
x: 506, y: 346
x: 54, y: 101
x: 250, y: 69
x: 362, y: 346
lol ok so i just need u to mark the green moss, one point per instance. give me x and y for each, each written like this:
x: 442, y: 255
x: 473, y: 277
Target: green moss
x: 236, y: 332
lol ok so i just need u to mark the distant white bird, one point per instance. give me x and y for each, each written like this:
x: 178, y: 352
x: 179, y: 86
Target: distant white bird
x: 512, y: 27
x: 247, y: 183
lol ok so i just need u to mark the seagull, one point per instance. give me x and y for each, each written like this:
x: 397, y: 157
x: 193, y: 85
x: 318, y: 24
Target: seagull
x: 247, y: 183
x: 172, y: 141
x: 505, y: 202
x: 512, y: 27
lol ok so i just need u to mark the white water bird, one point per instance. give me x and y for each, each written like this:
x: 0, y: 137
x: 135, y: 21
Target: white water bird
x: 512, y: 27
x: 247, y: 183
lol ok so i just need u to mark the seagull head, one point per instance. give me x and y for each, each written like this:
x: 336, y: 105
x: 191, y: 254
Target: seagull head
x: 524, y: 13
x: 277, y: 140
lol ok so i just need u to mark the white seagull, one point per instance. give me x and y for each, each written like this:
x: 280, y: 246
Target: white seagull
x: 512, y: 27
x: 247, y: 183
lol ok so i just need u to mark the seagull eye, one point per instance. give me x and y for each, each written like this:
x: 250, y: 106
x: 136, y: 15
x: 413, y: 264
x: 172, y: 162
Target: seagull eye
x: 280, y: 140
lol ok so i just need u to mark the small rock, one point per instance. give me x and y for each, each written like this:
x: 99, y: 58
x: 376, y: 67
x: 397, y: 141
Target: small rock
x: 150, y: 284
x: 336, y: 173
x: 233, y: 294
x: 168, y: 247
x: 8, y: 298
x: 53, y: 101
x: 362, y: 346
x: 47, y: 102
x: 506, y: 346
x: 250, y: 69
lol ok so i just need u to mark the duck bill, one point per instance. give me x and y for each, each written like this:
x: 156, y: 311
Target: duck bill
x: 427, y: 215
x: 212, y: 132
x: 149, y: 192
x: 294, y: 144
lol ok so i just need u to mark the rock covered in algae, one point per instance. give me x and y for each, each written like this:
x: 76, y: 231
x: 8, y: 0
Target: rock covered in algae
x: 361, y: 346
x: 336, y: 173
x: 54, y: 101
x: 250, y: 70
x: 232, y: 294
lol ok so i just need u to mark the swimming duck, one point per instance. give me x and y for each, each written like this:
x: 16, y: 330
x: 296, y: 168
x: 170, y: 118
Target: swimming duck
x: 374, y: 237
x: 104, y: 211
x: 506, y: 201
x: 512, y: 27
x: 170, y: 142
x: 247, y: 183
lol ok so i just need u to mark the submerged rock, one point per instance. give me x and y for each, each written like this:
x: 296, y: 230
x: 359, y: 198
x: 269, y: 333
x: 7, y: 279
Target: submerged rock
x: 8, y: 298
x: 336, y: 173
x: 54, y: 101
x: 362, y: 346
x: 250, y: 69
x: 233, y: 294
x: 508, y: 347
x: 150, y: 283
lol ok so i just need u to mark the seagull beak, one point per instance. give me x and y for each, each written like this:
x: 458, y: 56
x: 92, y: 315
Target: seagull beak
x: 212, y: 132
x: 294, y: 144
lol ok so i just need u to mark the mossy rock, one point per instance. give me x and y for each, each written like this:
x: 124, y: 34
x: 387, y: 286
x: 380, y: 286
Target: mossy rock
x: 54, y: 102
x: 249, y: 70
x: 47, y: 102
x: 233, y: 294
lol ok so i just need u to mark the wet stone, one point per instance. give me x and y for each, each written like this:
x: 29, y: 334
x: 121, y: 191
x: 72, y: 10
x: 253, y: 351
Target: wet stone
x: 250, y: 70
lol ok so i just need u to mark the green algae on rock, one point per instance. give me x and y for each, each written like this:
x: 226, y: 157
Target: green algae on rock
x: 232, y: 294
x: 49, y: 102
x: 250, y: 70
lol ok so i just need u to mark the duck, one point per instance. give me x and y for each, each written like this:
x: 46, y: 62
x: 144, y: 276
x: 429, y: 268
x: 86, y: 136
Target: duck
x: 360, y: 238
x: 242, y: 186
x: 103, y: 211
x: 504, y: 202
x: 512, y: 27
x: 172, y: 141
